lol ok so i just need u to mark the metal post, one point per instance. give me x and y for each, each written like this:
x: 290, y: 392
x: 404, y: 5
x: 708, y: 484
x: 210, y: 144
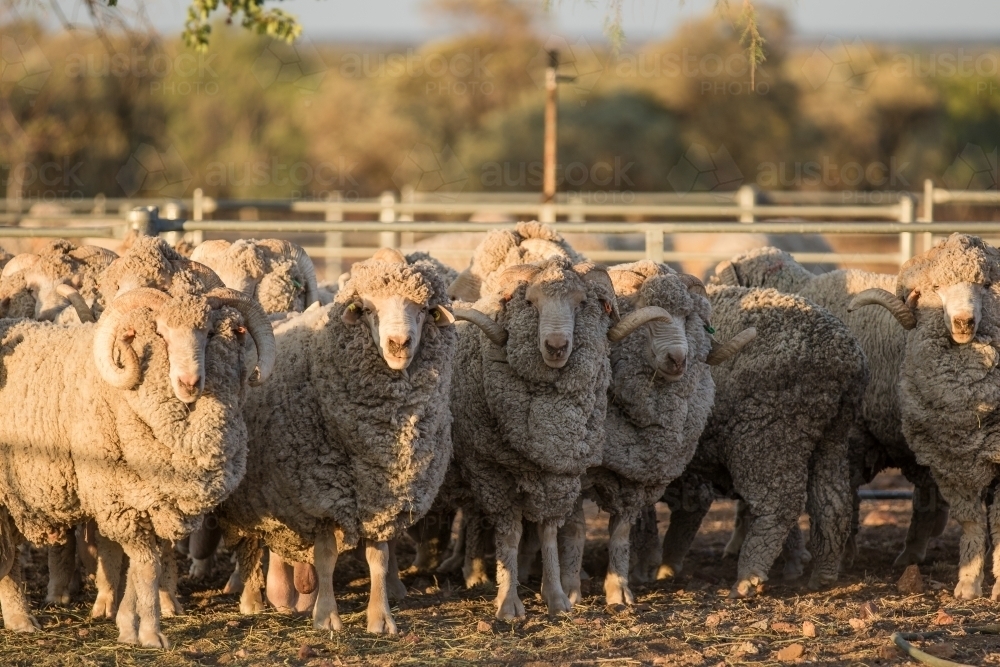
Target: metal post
x: 172, y: 211
x: 551, y: 118
x: 334, y: 240
x: 747, y: 198
x: 928, y: 212
x: 906, y: 238
x: 388, y: 214
x: 197, y: 214
x: 654, y: 244
x: 142, y: 220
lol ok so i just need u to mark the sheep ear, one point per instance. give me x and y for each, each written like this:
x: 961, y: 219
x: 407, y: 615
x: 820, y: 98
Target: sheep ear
x: 442, y: 316
x: 352, y: 314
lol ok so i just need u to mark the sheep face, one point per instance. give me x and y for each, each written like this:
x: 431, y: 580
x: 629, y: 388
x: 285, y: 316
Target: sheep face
x: 667, y: 350
x: 963, y: 308
x: 557, y: 307
x: 185, y: 331
x: 49, y: 304
x: 396, y: 324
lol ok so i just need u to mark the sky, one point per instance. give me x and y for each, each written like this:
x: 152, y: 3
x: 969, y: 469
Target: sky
x: 406, y: 20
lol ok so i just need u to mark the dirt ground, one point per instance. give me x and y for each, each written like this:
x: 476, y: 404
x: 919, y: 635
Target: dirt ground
x: 686, y: 622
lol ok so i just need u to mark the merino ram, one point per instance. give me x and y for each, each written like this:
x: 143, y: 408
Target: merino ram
x: 949, y: 389
x: 133, y: 422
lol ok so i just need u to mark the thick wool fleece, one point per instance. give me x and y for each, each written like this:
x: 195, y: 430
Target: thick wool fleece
x: 148, y: 262
x: 55, y: 261
x: 503, y: 248
x: 339, y: 439
x: 959, y: 258
x: 138, y: 461
x: 881, y: 443
x: 652, y: 425
x: 524, y: 432
x: 778, y: 432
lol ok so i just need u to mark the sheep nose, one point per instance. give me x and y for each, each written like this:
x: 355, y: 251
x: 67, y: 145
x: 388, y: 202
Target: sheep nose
x: 190, y: 383
x: 963, y: 325
x: 399, y: 343
x: 673, y: 363
x: 556, y: 345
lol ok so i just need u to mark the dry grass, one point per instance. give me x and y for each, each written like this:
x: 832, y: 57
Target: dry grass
x: 683, y: 622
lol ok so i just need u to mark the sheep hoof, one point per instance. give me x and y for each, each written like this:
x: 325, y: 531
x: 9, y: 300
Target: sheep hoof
x: 557, y: 603
x: 573, y: 592
x: 909, y: 556
x: 451, y: 564
x: 396, y: 589
x: 667, y: 571
x: 235, y: 584
x: 170, y: 605
x: 128, y: 636
x: 793, y: 570
x: 104, y: 606
x: 511, y: 609
x: 616, y: 591
x: 743, y: 589
x: 968, y: 590
x: 153, y: 639
x: 60, y: 599
x: 995, y: 595
x: 200, y: 568
x: 382, y: 623
x: 474, y: 579
x: 251, y: 604
x: 329, y: 621
x: 21, y: 623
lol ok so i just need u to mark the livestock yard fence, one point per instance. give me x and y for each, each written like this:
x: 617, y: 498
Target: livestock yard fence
x: 336, y: 227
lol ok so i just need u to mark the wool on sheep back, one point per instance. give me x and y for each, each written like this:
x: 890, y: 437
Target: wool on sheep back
x: 778, y: 432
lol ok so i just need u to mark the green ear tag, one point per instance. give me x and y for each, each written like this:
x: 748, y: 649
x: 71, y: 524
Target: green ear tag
x: 709, y: 328
x: 297, y: 284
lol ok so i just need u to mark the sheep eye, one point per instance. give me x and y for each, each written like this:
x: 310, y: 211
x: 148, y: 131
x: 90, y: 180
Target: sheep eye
x: 987, y: 285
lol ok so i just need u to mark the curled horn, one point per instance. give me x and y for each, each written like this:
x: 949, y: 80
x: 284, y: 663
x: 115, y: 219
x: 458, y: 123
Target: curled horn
x: 257, y: 323
x: 513, y: 276
x: 298, y: 255
x: 106, y: 337
x: 693, y: 284
x: 889, y: 301
x: 726, y: 272
x: 93, y: 254
x: 390, y: 255
x: 722, y: 351
x: 20, y: 262
x: 79, y: 305
x: 209, y: 278
x: 496, y: 333
x: 631, y: 322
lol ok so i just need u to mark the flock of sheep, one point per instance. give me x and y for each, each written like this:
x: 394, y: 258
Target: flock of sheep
x: 154, y: 402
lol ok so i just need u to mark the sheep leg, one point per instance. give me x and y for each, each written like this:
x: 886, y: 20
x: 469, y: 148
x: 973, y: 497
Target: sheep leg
x: 928, y: 519
x: 306, y: 582
x: 474, y: 568
x: 107, y: 578
x: 379, y: 615
x: 456, y: 557
x: 970, y: 513
x: 765, y: 537
x: 739, y: 533
x: 644, y: 546
x: 62, y: 565
x: 249, y: 553
x: 14, y: 604
x: 616, y: 590
x: 572, y: 539
x: 325, y: 552
x: 508, y: 538
x: 86, y: 546
x: 795, y: 554
x: 280, y: 586
x: 394, y: 586
x: 142, y: 600
x: 689, y: 502
x: 234, y: 585
x: 527, y: 551
x: 995, y: 534
x: 202, y: 545
x: 431, y: 534
x: 169, y: 604
x: 552, y: 591
x: 829, y: 505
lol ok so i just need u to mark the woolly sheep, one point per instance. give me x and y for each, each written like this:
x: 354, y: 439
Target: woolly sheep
x: 882, y: 443
x: 277, y: 273
x: 777, y: 435
x: 352, y: 437
x: 529, y: 401
x: 106, y: 430
x: 44, y: 285
x: 949, y: 391
x: 660, y: 396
